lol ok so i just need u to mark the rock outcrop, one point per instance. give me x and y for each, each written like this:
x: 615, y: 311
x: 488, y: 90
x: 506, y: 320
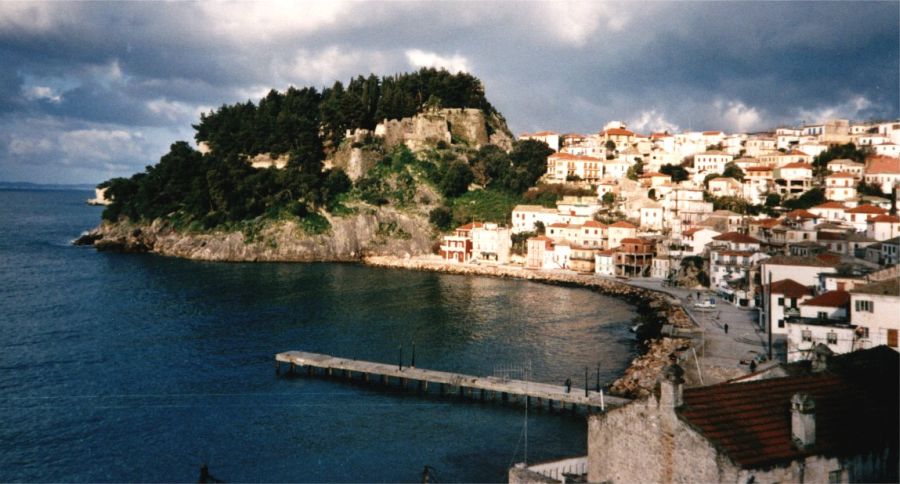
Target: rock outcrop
x: 369, y: 232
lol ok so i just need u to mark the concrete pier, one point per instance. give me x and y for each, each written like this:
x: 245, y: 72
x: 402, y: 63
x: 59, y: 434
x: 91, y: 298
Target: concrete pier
x: 593, y: 401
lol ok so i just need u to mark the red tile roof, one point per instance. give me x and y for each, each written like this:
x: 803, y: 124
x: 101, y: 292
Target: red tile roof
x: 856, y: 403
x: 570, y: 156
x: 830, y: 299
x: 832, y: 205
x: 885, y: 218
x: 766, y: 222
x: 712, y: 133
x: 798, y: 164
x: 736, y: 237
x: 882, y: 165
x: 621, y: 224
x: 618, y: 132
x: 594, y: 223
x: 867, y: 209
x: 797, y: 153
x: 759, y: 168
x: 470, y: 226
x: 790, y: 288
x: 800, y: 213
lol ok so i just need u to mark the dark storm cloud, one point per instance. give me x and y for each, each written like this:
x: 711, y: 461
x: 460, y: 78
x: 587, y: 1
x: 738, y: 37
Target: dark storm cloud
x: 137, y: 74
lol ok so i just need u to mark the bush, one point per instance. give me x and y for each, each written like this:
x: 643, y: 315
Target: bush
x: 441, y: 218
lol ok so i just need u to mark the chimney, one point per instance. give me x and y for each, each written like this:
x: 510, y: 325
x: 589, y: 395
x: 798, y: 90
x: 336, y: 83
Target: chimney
x: 671, y: 386
x: 821, y: 355
x: 803, y: 420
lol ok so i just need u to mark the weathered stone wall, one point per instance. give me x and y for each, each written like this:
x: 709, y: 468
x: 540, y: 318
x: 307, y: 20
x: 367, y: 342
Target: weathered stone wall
x: 645, y: 442
x: 467, y: 126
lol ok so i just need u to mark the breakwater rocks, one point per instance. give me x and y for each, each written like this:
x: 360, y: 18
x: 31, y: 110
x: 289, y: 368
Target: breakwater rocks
x: 654, y: 309
x: 369, y: 232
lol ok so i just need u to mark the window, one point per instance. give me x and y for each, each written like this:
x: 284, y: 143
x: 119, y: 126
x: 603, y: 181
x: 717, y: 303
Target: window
x: 866, y: 306
x: 892, y: 338
x: 781, y: 301
x: 822, y: 315
x: 806, y: 335
x: 832, y: 338
x: 780, y: 323
x: 863, y: 332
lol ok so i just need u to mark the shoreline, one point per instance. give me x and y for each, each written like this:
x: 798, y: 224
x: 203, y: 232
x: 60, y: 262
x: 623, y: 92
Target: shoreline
x: 653, y: 308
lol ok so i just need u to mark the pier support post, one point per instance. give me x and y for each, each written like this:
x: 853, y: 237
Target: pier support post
x: 292, y: 368
x: 482, y: 394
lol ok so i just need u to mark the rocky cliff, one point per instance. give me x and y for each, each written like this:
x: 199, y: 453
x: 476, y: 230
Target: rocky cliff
x: 371, y: 231
x: 470, y: 127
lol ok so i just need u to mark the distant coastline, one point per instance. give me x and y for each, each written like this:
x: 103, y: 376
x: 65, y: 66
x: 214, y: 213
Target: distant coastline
x: 5, y: 185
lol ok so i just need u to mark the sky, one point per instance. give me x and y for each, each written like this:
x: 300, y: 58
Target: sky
x: 94, y: 90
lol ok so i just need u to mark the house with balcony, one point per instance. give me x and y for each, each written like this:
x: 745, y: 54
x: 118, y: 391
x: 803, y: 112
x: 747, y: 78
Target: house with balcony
x: 457, y: 247
x: 859, y: 216
x: 793, y: 179
x: 619, y: 231
x: 883, y: 172
x: 634, y: 257
x: 824, y: 320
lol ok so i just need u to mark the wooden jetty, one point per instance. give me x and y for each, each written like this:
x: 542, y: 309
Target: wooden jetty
x: 490, y: 387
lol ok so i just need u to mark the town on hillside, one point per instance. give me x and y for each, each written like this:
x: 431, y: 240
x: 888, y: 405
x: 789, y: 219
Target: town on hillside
x: 799, y: 224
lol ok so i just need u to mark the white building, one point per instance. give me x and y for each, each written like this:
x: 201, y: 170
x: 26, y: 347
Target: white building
x: 875, y: 309
x: 492, y: 243
x: 784, y: 298
x: 604, y: 263
x: 883, y: 227
x: 840, y: 187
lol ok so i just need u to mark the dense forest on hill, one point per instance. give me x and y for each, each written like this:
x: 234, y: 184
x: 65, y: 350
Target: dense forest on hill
x: 221, y: 188
x: 284, y: 122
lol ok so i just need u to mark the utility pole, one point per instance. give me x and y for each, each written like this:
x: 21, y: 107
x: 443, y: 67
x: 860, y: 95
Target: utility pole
x: 769, y: 313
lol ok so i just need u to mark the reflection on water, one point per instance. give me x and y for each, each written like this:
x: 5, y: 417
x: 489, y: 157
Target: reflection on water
x: 139, y: 368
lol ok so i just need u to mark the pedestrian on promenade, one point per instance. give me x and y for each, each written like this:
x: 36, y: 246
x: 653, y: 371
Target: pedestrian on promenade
x: 568, y: 385
x: 726, y: 328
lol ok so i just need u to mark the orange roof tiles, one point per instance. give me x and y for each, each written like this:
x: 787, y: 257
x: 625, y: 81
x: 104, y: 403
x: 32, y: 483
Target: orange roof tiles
x: 621, y: 224
x: 885, y: 218
x: 798, y: 165
x: 882, y: 165
x: 800, y: 213
x: 830, y: 299
x: 867, y: 209
x: 618, y: 132
x: 832, y: 205
x: 789, y: 288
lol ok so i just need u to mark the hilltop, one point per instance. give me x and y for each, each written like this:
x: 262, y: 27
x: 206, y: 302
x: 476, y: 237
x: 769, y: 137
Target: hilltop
x: 378, y: 167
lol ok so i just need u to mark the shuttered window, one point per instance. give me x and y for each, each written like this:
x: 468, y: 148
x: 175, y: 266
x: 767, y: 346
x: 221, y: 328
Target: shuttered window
x: 892, y: 338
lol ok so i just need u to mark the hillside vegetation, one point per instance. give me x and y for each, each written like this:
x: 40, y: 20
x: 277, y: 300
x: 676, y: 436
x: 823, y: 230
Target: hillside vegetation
x: 219, y: 189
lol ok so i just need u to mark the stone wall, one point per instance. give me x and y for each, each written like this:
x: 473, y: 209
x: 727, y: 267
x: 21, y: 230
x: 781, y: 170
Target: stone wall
x: 645, y: 442
x: 468, y: 126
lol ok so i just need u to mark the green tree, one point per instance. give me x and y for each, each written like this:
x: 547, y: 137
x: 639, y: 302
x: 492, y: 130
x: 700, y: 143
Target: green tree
x: 677, y: 172
x: 733, y: 171
x: 635, y: 170
x: 456, y: 179
x: 441, y: 218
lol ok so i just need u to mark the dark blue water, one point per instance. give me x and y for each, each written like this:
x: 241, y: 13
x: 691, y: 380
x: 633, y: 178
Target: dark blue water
x: 140, y: 368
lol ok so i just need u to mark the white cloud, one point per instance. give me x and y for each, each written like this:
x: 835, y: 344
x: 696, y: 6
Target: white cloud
x: 652, y: 121
x: 576, y: 23
x: 29, y: 16
x: 329, y: 65
x: 100, y: 144
x: 420, y: 58
x: 850, y: 109
x: 737, y: 117
x: 34, y: 93
x: 172, y: 110
x: 272, y: 19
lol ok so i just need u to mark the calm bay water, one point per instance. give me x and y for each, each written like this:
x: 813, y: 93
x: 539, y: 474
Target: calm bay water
x: 140, y: 368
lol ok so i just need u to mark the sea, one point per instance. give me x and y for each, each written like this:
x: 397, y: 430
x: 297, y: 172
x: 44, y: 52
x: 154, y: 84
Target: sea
x: 141, y: 368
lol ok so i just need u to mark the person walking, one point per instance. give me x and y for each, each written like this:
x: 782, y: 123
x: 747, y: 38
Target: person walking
x: 726, y: 328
